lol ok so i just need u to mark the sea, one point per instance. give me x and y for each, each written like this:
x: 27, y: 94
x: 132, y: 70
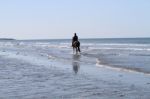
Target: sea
x: 106, y: 68
x: 128, y: 54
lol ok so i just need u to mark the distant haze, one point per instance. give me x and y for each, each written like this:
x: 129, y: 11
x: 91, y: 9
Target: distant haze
x: 50, y: 19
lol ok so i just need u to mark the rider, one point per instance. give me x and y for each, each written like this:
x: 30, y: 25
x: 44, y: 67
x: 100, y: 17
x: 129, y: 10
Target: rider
x: 75, y: 38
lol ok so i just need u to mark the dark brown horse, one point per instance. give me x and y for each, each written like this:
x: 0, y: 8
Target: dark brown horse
x: 76, y: 45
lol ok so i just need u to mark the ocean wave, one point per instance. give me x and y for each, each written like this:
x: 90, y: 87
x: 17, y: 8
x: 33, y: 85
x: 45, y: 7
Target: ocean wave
x: 115, y: 44
x: 115, y: 48
x: 117, y: 68
x: 6, y: 44
x: 89, y: 46
x: 49, y: 45
x: 133, y: 54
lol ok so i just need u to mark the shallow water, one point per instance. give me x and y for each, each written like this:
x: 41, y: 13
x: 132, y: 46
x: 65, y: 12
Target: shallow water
x: 49, y: 70
x: 129, y: 53
x: 22, y: 80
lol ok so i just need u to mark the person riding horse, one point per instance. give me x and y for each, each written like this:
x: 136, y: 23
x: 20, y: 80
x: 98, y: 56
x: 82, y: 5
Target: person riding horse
x: 76, y: 43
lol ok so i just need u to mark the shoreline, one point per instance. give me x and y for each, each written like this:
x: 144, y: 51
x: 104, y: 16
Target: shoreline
x: 110, y: 83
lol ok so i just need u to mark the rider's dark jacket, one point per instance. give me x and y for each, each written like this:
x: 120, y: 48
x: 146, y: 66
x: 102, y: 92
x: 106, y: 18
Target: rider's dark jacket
x: 75, y: 38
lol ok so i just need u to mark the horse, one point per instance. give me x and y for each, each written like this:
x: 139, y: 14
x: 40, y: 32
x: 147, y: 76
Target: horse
x: 76, y: 45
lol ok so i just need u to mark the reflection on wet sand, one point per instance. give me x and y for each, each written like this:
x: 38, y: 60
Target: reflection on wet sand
x: 76, y: 63
x: 75, y: 67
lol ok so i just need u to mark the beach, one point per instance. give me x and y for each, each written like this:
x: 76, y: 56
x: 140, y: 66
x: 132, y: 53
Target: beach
x: 48, y: 69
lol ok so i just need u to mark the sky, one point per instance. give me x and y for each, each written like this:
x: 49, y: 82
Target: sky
x: 54, y: 19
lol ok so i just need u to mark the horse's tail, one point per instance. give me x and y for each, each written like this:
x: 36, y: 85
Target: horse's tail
x: 78, y: 43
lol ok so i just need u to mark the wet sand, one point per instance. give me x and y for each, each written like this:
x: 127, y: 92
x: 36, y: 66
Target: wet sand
x: 31, y: 75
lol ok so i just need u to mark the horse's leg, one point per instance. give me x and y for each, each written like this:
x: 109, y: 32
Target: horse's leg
x: 76, y: 50
x: 78, y: 46
x: 79, y: 49
x: 73, y: 50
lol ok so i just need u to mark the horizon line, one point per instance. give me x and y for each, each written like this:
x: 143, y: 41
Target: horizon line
x: 79, y: 38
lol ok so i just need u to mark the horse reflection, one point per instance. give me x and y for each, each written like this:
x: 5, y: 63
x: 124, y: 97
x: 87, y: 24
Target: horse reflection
x: 75, y: 63
x: 75, y: 67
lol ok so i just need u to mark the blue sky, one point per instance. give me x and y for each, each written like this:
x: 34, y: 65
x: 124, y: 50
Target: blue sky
x: 46, y: 19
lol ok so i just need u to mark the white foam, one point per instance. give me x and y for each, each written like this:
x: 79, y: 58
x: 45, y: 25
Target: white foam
x: 123, y: 48
x: 120, y: 69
